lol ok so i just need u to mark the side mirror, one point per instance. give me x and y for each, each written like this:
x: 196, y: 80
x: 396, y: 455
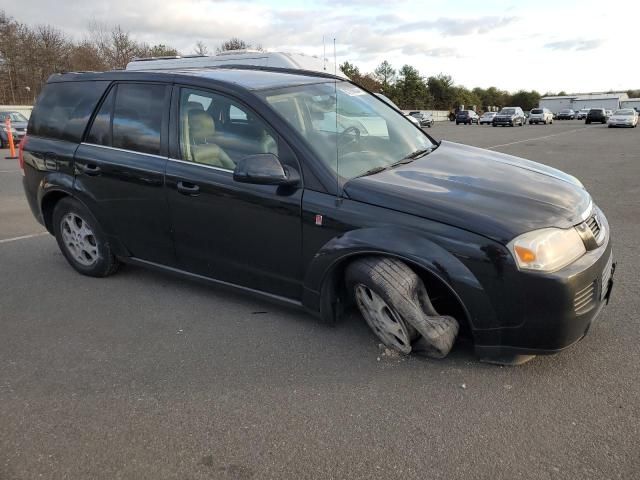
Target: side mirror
x: 265, y: 169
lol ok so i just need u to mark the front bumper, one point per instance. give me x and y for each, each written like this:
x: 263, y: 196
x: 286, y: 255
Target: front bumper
x: 503, y: 121
x: 557, y: 309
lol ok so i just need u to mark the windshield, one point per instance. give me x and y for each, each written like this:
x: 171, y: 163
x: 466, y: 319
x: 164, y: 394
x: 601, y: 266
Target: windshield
x: 626, y: 111
x: 350, y: 130
x: 14, y: 116
x: 507, y: 111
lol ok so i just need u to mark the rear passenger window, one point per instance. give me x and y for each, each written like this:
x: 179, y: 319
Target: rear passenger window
x: 63, y: 109
x: 137, y: 119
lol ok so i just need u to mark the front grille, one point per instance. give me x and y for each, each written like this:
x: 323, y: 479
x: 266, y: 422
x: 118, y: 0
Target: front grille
x: 583, y: 300
x: 594, y: 224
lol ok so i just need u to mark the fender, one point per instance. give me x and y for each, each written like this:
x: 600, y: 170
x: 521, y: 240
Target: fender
x: 60, y: 183
x: 408, y: 245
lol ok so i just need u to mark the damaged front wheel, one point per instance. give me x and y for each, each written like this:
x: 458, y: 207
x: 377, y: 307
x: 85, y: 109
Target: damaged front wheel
x: 394, y: 302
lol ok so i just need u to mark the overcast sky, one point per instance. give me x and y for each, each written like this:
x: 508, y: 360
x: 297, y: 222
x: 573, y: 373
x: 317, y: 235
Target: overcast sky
x: 576, y: 46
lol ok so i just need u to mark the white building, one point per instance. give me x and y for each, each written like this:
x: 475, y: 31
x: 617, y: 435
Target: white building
x: 608, y: 101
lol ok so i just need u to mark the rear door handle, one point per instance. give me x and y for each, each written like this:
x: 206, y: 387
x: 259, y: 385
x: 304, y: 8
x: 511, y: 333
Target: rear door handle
x: 187, y: 188
x: 90, y: 169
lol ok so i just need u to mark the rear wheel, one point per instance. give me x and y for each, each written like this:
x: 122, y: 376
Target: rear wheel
x: 81, y: 239
x: 394, y: 302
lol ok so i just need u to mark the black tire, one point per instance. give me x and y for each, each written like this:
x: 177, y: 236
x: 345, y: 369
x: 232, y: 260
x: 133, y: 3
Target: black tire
x: 457, y: 123
x: 404, y: 293
x: 105, y: 262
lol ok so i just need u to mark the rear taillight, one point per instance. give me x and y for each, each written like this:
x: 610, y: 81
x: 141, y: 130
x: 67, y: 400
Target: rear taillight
x: 21, y: 146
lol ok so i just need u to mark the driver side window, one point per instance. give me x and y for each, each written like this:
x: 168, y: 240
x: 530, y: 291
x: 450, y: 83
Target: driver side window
x: 217, y: 131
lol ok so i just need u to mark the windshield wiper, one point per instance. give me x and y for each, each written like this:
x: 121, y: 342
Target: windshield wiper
x: 403, y: 161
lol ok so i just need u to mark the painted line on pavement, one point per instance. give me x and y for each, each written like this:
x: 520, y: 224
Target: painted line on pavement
x: 537, y: 138
x: 23, y: 237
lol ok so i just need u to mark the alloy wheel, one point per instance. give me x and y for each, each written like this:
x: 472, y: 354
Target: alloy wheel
x: 79, y: 239
x: 382, y: 319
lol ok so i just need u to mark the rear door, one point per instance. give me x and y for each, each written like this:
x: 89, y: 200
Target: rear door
x: 120, y: 168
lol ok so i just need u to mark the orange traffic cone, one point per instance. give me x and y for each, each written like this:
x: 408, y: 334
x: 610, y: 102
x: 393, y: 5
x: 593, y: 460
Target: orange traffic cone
x: 12, y: 148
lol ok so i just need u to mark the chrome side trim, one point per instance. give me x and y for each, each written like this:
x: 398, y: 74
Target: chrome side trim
x: 123, y: 150
x: 200, y: 165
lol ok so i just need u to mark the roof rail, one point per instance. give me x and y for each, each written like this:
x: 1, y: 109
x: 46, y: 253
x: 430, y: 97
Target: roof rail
x: 167, y: 57
x: 239, y: 51
x: 295, y: 71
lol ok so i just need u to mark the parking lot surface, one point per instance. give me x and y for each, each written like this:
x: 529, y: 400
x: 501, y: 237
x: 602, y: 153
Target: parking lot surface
x: 148, y: 376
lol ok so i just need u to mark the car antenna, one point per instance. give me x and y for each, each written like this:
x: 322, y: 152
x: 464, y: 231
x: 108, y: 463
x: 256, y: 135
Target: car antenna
x: 335, y: 92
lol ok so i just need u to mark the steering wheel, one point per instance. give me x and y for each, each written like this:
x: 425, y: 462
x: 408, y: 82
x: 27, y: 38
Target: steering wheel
x: 344, y: 140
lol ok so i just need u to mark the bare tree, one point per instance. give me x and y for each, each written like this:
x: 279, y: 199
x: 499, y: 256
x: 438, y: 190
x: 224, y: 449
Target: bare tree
x: 201, y: 48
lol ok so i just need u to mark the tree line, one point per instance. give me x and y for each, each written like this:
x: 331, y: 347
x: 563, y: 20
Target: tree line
x: 410, y: 90
x: 29, y: 55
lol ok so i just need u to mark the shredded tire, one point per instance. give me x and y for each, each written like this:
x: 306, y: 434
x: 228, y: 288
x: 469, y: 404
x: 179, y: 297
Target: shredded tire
x: 405, y: 293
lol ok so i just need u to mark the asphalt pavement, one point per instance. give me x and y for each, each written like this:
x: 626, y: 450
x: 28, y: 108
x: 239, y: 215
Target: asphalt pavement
x: 148, y: 376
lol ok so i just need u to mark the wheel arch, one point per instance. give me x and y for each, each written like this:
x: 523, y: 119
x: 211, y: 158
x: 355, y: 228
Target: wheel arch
x: 324, y: 282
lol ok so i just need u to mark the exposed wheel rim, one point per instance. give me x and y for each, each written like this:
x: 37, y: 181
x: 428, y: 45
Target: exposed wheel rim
x: 79, y: 239
x: 382, y: 319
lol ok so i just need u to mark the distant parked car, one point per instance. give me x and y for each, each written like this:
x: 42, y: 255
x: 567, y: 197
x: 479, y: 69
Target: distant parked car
x: 389, y: 102
x: 597, y: 115
x: 625, y: 117
x: 566, y: 114
x: 487, y: 118
x: 582, y: 114
x: 18, y: 128
x: 509, y: 116
x: 540, y: 115
x: 609, y: 113
x: 467, y: 117
x: 424, y: 119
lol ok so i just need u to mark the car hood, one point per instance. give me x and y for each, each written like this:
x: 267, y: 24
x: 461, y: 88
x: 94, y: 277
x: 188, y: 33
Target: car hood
x: 621, y: 117
x: 493, y: 194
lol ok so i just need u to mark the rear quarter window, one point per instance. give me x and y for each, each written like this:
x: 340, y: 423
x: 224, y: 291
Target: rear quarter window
x: 64, y: 108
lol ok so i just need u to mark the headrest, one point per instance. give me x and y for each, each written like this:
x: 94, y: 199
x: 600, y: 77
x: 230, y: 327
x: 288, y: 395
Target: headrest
x: 194, y: 106
x: 201, y: 125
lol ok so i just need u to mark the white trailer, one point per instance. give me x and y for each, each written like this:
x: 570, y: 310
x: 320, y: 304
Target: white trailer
x: 557, y: 103
x: 258, y: 58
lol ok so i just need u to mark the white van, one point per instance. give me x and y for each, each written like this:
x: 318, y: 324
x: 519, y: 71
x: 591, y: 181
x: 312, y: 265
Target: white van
x: 256, y: 58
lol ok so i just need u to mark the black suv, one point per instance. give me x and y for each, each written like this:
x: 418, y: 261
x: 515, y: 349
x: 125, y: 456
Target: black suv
x: 597, y: 115
x: 467, y: 117
x: 305, y: 189
x: 509, y: 116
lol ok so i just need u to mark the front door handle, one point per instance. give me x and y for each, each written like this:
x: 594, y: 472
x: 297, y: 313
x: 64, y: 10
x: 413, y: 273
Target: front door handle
x: 187, y: 188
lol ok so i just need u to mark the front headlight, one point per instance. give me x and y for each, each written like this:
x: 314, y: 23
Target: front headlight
x: 548, y: 249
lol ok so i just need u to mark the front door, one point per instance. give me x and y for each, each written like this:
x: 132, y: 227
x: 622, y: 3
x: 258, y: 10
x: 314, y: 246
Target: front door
x: 248, y: 235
